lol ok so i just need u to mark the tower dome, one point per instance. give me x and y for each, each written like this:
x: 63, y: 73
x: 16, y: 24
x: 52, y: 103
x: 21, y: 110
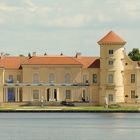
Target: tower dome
x: 111, y: 38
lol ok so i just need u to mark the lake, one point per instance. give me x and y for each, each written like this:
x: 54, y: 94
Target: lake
x: 69, y: 126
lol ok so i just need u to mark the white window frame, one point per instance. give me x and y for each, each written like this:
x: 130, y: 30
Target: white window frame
x: 110, y: 97
x: 110, y: 78
x: 110, y: 62
x: 36, y: 99
x: 133, y: 94
x: 35, y: 78
x: 133, y: 78
x: 11, y: 77
x: 111, y: 52
x: 68, y: 94
x: 67, y: 78
x: 94, y: 78
x: 51, y: 78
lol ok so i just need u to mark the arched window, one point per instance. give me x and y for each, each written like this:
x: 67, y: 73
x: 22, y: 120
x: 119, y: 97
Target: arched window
x: 35, y: 78
x: 67, y: 78
x: 51, y: 78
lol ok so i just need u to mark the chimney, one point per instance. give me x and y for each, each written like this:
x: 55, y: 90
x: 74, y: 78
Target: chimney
x: 78, y: 55
x: 34, y: 54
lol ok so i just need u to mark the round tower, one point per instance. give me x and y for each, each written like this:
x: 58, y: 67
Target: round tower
x: 111, y: 69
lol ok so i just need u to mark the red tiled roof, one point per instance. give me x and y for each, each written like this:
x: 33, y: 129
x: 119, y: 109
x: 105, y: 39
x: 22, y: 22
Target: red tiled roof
x: 111, y: 38
x: 89, y: 62
x: 51, y: 60
x: 12, y: 62
x: 16, y: 62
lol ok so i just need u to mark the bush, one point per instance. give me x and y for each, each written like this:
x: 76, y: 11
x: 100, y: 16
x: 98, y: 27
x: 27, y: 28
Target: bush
x: 67, y: 103
x: 114, y: 106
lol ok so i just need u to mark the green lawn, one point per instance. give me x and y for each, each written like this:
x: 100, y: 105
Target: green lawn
x: 89, y: 108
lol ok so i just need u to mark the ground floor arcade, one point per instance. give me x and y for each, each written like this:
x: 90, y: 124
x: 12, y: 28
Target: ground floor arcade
x: 47, y: 94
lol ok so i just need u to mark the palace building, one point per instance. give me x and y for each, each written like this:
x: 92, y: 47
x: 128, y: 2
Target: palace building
x: 79, y: 79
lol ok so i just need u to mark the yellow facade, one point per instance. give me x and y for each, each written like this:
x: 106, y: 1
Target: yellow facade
x: 117, y: 80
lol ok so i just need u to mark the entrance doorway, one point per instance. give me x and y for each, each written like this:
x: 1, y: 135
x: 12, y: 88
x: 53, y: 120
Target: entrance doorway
x: 11, y: 95
x: 48, y: 94
x: 20, y: 94
x: 55, y: 94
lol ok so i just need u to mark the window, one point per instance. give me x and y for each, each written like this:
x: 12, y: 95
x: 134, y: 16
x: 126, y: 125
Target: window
x: 132, y: 94
x: 35, y: 94
x: 67, y: 78
x: 110, y: 51
x: 18, y: 78
x: 132, y: 78
x: 51, y: 78
x: 68, y: 94
x: 110, y: 62
x: 94, y: 78
x: 10, y: 79
x: 84, y: 96
x: 110, y: 98
x: 110, y: 78
x: 35, y: 78
x: 84, y: 78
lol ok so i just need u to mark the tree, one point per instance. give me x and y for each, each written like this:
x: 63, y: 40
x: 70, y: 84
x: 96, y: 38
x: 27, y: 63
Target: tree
x: 136, y: 98
x: 126, y: 96
x: 134, y: 54
x: 45, y: 54
x: 21, y: 55
x: 6, y: 54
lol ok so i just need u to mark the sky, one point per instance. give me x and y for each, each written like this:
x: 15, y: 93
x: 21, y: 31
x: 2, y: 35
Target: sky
x: 67, y: 26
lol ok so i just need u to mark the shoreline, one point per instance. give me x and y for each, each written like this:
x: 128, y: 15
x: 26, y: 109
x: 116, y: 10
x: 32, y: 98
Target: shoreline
x: 69, y: 111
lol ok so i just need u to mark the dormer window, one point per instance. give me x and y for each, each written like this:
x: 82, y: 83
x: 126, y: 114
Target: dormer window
x: 110, y: 52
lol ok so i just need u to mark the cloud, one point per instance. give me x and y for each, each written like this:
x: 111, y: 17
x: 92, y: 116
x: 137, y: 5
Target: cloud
x: 73, y: 24
x: 69, y: 21
x: 66, y: 14
x: 7, y: 8
x: 30, y: 5
x: 43, y: 15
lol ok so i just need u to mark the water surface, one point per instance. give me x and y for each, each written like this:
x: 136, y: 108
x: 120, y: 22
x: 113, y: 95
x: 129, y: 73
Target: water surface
x: 69, y: 126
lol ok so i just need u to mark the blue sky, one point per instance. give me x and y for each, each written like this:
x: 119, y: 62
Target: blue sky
x: 68, y: 26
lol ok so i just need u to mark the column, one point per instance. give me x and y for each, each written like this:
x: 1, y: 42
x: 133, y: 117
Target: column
x: 5, y: 97
x: 18, y: 94
x: 58, y: 96
x: 88, y: 95
x: 72, y: 95
x: 4, y: 94
x: 64, y: 94
x: 52, y: 94
x: 31, y: 94
x: 15, y: 94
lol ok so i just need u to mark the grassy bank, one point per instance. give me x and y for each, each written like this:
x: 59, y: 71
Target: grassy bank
x: 64, y: 108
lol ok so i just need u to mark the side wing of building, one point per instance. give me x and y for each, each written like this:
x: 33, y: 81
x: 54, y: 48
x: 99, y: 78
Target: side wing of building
x: 131, y: 80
